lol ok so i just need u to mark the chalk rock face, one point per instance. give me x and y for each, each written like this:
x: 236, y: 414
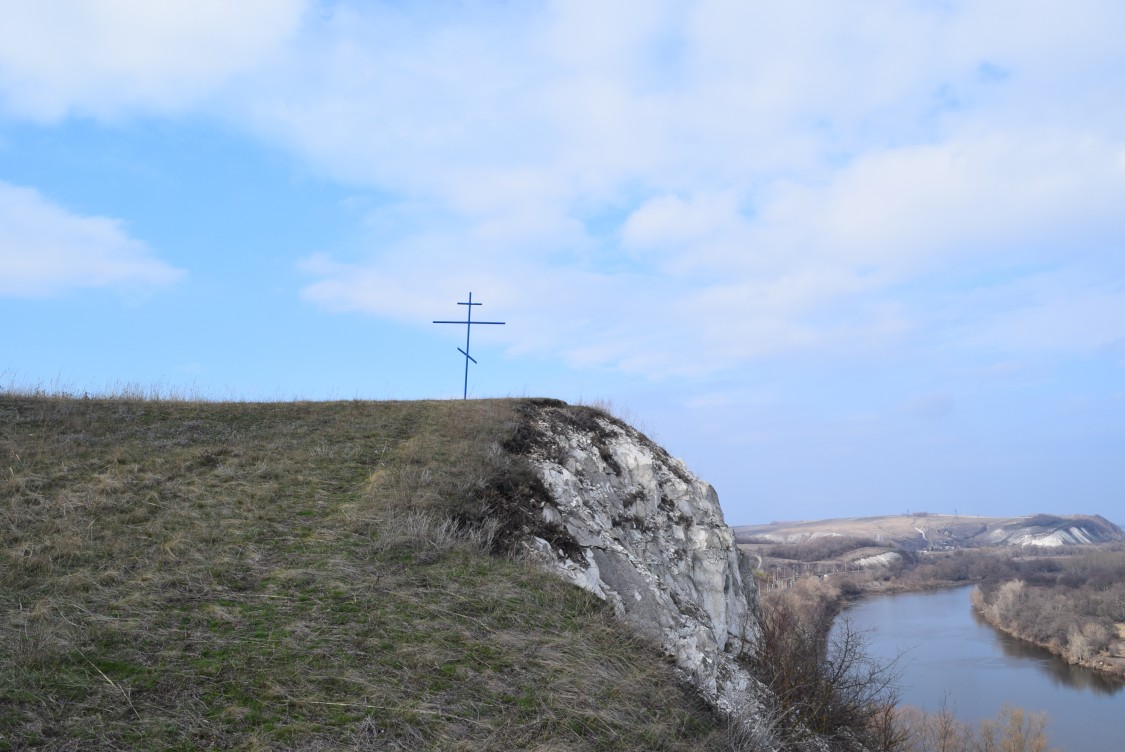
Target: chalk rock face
x: 885, y: 559
x: 1050, y: 531
x: 633, y: 526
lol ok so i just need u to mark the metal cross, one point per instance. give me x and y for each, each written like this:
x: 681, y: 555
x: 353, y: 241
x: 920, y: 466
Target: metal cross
x: 468, y: 322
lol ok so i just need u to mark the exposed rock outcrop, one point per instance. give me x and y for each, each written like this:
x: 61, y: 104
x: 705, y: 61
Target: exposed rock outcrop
x: 629, y: 523
x: 1050, y: 531
x: 885, y: 559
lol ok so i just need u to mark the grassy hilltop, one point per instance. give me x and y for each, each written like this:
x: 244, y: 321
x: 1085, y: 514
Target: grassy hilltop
x: 191, y: 575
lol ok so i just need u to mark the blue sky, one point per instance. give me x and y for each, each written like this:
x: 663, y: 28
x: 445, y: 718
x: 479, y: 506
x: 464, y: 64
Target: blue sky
x: 844, y: 258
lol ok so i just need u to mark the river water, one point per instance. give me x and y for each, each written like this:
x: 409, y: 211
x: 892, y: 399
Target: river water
x: 949, y: 652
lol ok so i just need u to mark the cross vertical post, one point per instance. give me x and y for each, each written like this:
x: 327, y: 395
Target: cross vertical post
x: 468, y: 324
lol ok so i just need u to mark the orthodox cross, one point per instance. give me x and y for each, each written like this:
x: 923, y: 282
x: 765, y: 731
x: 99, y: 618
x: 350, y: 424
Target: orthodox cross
x: 468, y: 323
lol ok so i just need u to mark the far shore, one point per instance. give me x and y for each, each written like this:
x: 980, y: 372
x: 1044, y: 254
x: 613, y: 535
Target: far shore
x: 1108, y: 664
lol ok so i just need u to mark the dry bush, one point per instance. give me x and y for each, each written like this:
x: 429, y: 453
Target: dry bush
x: 933, y: 732
x: 825, y: 682
x: 1013, y: 730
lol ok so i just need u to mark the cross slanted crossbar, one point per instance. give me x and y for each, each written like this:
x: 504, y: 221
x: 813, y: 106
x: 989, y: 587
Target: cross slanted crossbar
x: 468, y: 324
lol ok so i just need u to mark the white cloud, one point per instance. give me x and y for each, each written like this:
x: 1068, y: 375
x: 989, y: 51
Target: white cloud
x: 103, y: 57
x: 831, y: 267
x: 665, y: 187
x: 996, y: 201
x: 46, y: 250
x: 715, y: 181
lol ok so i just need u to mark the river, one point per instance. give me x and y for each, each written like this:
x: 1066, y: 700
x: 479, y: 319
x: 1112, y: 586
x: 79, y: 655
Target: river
x: 949, y: 652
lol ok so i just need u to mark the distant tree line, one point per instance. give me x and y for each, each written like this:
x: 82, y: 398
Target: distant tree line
x: 820, y: 549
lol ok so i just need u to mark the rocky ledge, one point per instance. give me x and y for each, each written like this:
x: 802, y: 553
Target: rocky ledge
x: 621, y: 518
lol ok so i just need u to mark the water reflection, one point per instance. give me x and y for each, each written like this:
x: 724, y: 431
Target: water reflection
x: 1058, y: 670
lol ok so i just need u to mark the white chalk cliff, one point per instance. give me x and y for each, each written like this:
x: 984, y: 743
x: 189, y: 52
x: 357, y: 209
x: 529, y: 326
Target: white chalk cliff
x: 633, y: 526
x: 1050, y: 531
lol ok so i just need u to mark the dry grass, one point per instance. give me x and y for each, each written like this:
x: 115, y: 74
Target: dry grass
x: 189, y: 575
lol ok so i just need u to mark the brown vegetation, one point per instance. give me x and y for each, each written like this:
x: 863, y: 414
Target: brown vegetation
x: 1014, y: 730
x: 824, y: 684
x: 819, y: 549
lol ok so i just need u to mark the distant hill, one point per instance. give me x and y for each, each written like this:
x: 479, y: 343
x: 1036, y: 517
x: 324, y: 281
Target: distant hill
x: 944, y: 531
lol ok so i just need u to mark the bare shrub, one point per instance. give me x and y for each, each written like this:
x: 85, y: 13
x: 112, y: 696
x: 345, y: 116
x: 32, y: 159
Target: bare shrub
x: 934, y: 732
x: 1007, y: 601
x: 825, y: 683
x: 1014, y: 730
x: 1087, y: 640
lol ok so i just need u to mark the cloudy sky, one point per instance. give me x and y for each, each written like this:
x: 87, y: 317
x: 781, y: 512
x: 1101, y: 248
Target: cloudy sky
x: 843, y: 257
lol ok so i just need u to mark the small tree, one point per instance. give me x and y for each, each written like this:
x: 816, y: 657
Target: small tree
x: 1015, y: 731
x: 934, y: 732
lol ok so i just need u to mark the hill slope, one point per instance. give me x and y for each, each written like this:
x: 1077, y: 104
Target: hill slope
x: 179, y: 575
x: 920, y: 531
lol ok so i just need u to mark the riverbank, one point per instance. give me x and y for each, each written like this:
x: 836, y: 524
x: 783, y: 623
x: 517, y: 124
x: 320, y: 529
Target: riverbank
x: 1113, y: 665
x: 835, y: 597
x: 900, y: 587
x: 1073, y: 607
